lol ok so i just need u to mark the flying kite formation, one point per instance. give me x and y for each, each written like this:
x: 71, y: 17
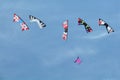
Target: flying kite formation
x: 41, y: 24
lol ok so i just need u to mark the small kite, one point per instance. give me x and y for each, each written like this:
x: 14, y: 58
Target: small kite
x: 103, y: 23
x: 87, y: 27
x: 78, y: 60
x: 23, y: 25
x: 39, y: 22
x: 65, y: 33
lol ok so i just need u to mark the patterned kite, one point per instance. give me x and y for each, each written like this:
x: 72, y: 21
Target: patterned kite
x: 65, y: 33
x: 87, y: 27
x: 103, y: 23
x: 39, y: 22
x: 23, y: 25
x: 78, y: 60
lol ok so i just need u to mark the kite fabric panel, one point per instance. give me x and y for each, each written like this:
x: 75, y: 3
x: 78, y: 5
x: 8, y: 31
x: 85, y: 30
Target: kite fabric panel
x: 23, y: 25
x: 65, y: 33
x: 103, y: 23
x: 87, y: 27
x: 38, y: 21
x: 78, y: 60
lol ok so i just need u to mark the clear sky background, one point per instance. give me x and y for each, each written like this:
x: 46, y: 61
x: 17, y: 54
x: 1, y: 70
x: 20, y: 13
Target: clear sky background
x: 43, y: 55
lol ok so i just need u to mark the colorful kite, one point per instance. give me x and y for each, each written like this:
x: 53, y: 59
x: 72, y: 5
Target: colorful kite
x: 87, y: 27
x: 39, y: 22
x: 23, y: 25
x: 65, y: 33
x: 103, y: 23
x: 78, y: 60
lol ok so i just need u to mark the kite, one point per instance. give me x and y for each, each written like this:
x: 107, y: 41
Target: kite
x: 23, y: 25
x: 65, y: 33
x: 103, y: 23
x: 87, y: 27
x: 39, y: 22
x: 78, y: 60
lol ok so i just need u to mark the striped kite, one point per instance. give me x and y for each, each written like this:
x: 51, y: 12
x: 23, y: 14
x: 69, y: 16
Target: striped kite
x: 87, y: 27
x: 39, y: 22
x: 65, y: 33
x: 103, y: 23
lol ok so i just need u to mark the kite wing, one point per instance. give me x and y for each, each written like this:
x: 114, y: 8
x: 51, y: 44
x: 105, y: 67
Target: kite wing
x: 23, y: 25
x: 103, y: 23
x: 65, y: 33
x: 87, y: 27
x: 78, y: 60
x: 39, y: 22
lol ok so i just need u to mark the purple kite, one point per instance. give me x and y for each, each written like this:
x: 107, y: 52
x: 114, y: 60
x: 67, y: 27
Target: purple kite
x: 78, y: 60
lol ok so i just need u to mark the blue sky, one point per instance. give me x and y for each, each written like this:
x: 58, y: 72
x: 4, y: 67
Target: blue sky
x: 43, y: 55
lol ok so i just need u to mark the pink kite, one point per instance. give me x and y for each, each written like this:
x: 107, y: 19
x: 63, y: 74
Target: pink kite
x: 78, y: 60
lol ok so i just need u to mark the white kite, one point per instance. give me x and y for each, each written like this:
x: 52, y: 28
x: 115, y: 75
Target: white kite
x: 39, y: 22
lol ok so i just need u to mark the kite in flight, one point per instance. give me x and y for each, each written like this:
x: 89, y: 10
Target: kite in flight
x: 87, y: 27
x: 23, y: 25
x: 103, y: 23
x: 78, y: 60
x: 39, y: 22
x: 65, y: 33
